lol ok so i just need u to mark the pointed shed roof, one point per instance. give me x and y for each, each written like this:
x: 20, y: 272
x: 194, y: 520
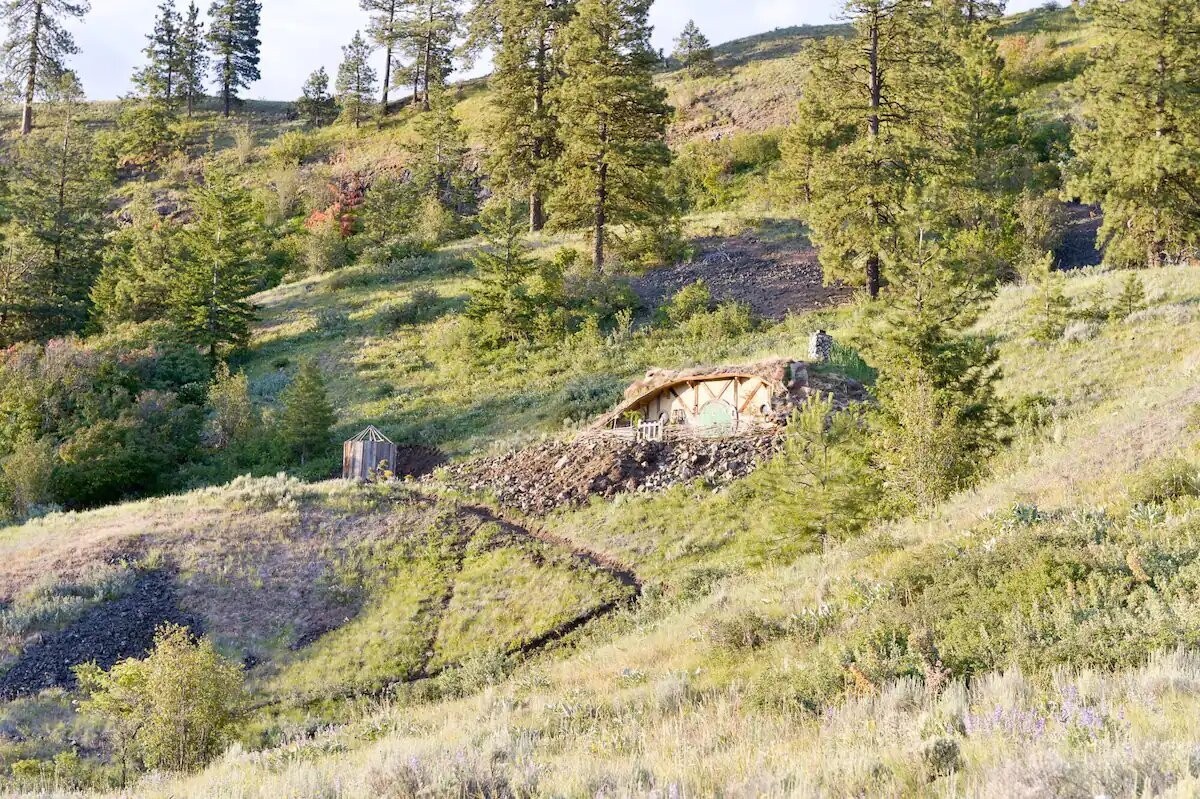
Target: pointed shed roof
x: 372, y: 434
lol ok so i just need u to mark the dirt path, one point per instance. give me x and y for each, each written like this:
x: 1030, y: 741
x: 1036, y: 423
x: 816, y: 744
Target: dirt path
x: 775, y: 275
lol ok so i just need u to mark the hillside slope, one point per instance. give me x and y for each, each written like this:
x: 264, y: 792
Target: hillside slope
x: 1060, y: 587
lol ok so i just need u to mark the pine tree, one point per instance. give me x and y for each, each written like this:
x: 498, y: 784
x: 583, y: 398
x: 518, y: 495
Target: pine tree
x: 58, y: 221
x: 977, y: 157
x: 35, y: 51
x: 1049, y: 309
x: 316, y: 106
x: 523, y: 136
x: 1139, y: 142
x: 982, y: 11
x: 139, y: 268
x: 233, y: 35
x: 159, y: 79
x: 693, y: 51
x: 440, y: 178
x: 501, y: 300
x: 613, y: 123
x: 1131, y: 299
x: 193, y: 58
x: 384, y: 32
x: 872, y: 91
x: 356, y: 80
x: 427, y: 29
x: 219, y: 268
x: 306, y: 422
x: 939, y: 419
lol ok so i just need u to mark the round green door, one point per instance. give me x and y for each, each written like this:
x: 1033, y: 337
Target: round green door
x: 717, y: 419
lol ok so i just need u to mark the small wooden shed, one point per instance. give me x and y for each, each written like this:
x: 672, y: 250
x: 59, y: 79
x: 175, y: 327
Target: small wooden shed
x: 367, y: 454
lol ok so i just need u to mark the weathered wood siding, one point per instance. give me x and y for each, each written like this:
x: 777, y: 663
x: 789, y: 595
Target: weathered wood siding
x: 361, y: 458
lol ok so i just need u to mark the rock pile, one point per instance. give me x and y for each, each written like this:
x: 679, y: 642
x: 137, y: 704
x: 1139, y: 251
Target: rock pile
x: 556, y: 474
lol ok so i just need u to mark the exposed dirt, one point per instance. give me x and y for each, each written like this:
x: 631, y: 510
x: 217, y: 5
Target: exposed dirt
x: 110, y: 632
x: 1078, y: 248
x: 774, y: 278
x: 418, y: 461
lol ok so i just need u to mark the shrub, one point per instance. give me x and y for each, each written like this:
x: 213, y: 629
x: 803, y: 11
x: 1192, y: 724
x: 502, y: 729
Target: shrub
x: 422, y: 306
x: 688, y: 302
x: 1165, y: 481
x: 231, y: 414
x: 292, y: 148
x: 742, y: 631
x: 325, y: 248
x: 586, y: 396
x: 729, y: 321
x: 173, y: 710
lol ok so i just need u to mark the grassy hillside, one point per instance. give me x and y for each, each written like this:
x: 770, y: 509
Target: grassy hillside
x: 1028, y: 635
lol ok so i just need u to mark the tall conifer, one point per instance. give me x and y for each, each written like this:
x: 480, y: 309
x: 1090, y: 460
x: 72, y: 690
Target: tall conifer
x: 613, y: 122
x: 356, y: 80
x: 193, y: 58
x: 384, y: 31
x: 233, y: 35
x: 209, y: 298
x: 523, y: 137
x: 58, y: 223
x: 1139, y: 142
x: 159, y: 79
x: 35, y: 51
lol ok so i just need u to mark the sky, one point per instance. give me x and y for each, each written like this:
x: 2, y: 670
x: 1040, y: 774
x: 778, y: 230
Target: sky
x: 300, y: 35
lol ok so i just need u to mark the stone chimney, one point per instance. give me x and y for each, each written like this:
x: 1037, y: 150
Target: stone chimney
x: 820, y: 347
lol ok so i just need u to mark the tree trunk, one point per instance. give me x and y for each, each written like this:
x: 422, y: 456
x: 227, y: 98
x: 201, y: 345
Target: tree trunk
x: 537, y: 212
x: 35, y: 34
x: 873, y: 279
x: 875, y: 86
x: 428, y: 59
x: 601, y: 201
x: 387, y: 60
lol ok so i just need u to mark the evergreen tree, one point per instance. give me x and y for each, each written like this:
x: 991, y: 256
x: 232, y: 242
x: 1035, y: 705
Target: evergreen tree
x: 501, y: 299
x: 822, y: 485
x: 523, y: 136
x: 440, y: 179
x: 693, y: 51
x: 316, y: 106
x: 1131, y: 299
x: 159, y: 79
x: 58, y: 223
x: 306, y: 422
x: 139, y: 268
x: 1049, y: 309
x: 871, y: 91
x: 428, y: 28
x: 613, y: 123
x: 939, y: 419
x: 35, y: 51
x: 218, y: 272
x: 356, y: 80
x: 193, y: 58
x: 977, y: 158
x: 233, y: 35
x: 1139, y: 143
x: 384, y: 32
x: 975, y: 11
